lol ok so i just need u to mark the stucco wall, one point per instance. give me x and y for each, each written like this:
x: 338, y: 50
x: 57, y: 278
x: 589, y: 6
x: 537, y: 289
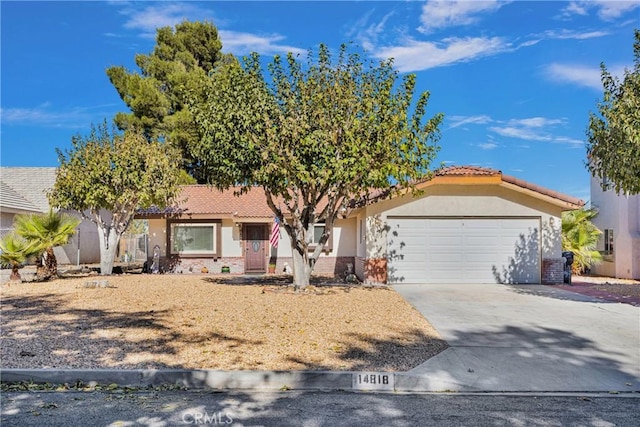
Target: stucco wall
x: 621, y: 214
x: 231, y: 239
x: 158, y: 236
x: 344, y: 240
x: 465, y: 201
x: 344, y: 236
x: 87, y: 235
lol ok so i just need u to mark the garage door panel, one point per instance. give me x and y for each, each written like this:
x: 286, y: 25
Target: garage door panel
x: 486, y: 250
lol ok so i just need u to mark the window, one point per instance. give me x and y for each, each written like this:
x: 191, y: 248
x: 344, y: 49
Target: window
x: 314, y: 235
x: 608, y: 242
x: 194, y: 238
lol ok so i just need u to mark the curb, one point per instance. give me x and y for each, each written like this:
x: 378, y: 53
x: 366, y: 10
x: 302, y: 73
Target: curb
x: 191, y: 379
x: 203, y: 379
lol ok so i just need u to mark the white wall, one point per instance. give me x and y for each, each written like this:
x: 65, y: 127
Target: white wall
x: 344, y: 240
x: 158, y: 236
x: 621, y: 214
x: 231, y: 239
x: 461, y: 201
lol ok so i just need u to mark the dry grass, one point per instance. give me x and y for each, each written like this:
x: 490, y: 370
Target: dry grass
x: 175, y: 321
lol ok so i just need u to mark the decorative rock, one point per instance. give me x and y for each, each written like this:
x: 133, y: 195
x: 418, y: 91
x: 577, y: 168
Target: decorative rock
x: 97, y: 284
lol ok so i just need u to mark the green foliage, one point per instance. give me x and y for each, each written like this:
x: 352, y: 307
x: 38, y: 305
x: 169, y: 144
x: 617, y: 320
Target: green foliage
x: 614, y: 134
x: 313, y: 136
x: 580, y: 236
x: 156, y: 95
x: 106, y: 176
x: 14, y: 250
x: 44, y: 232
x: 115, y: 172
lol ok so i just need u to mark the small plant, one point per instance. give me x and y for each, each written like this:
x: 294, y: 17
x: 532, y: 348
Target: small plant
x: 14, y: 251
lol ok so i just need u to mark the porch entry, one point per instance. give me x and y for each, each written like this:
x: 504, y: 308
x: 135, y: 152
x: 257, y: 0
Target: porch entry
x: 255, y: 248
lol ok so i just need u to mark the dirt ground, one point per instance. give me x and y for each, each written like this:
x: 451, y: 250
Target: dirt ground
x: 607, y: 288
x: 208, y: 322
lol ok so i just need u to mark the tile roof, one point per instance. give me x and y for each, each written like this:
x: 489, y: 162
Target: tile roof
x: 203, y: 199
x: 466, y: 171
x: 542, y: 190
x: 480, y: 171
x: 31, y: 184
x: 206, y: 200
x: 9, y: 199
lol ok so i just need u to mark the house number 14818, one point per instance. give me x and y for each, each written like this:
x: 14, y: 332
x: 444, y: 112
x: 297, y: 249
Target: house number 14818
x: 372, y: 381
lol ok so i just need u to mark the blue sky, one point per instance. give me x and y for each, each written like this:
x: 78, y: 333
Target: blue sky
x: 515, y: 80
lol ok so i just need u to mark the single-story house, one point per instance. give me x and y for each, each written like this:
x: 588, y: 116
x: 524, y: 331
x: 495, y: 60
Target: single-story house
x: 468, y: 225
x: 23, y: 190
x: 619, y: 220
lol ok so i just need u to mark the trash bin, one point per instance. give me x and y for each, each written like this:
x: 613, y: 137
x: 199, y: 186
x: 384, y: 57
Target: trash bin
x: 568, y: 261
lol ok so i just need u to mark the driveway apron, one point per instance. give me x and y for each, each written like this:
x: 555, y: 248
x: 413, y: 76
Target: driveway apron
x: 526, y: 338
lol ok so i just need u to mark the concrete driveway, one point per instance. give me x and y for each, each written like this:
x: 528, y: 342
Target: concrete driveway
x: 526, y: 338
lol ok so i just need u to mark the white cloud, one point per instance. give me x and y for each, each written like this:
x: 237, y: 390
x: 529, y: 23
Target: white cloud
x: 565, y: 34
x: 488, y: 145
x: 606, y: 10
x: 465, y: 120
x: 367, y: 34
x: 441, y: 14
x: 42, y: 115
x: 580, y: 75
x: 149, y: 18
x: 243, y: 43
x: 535, y: 129
x: 421, y: 55
x: 535, y: 122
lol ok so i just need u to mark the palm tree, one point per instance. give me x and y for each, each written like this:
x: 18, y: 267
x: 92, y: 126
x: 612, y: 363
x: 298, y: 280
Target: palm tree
x: 45, y: 231
x: 580, y: 236
x: 14, y: 250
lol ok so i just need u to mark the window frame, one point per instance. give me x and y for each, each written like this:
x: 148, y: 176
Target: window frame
x: 609, y: 242
x: 328, y: 246
x: 217, y: 238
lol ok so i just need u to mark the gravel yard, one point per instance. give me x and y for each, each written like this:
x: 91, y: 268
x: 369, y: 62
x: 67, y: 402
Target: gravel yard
x: 204, y: 322
x: 607, y: 288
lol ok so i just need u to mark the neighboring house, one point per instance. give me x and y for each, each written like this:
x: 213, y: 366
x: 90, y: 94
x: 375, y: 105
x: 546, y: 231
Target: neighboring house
x: 23, y: 191
x: 469, y: 225
x: 619, y: 220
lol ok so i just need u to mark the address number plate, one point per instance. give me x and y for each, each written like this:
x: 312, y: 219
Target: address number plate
x: 373, y: 381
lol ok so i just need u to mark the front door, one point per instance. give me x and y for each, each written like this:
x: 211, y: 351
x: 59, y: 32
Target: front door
x: 255, y: 256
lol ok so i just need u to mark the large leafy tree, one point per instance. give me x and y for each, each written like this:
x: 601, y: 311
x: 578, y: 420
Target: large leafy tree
x: 44, y: 232
x: 614, y: 133
x: 14, y: 251
x: 156, y: 95
x: 580, y: 236
x: 105, y: 176
x: 313, y: 135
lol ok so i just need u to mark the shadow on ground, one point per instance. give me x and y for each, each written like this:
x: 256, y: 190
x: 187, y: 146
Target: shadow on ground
x: 48, y: 331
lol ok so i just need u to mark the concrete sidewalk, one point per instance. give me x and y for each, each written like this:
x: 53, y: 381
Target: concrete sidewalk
x: 503, y: 339
x: 527, y: 338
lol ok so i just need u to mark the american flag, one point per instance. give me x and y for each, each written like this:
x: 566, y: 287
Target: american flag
x: 275, y: 233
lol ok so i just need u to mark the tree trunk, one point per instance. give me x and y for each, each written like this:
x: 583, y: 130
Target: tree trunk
x: 51, y: 263
x: 301, y: 269
x: 109, y: 240
x: 42, y: 272
x: 15, y: 273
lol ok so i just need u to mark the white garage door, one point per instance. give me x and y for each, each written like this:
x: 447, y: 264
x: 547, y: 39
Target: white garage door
x: 463, y: 250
